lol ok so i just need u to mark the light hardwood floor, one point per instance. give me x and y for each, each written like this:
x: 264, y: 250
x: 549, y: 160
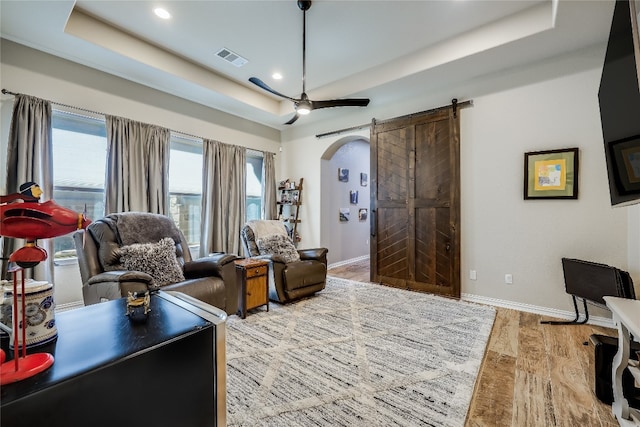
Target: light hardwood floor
x: 532, y: 374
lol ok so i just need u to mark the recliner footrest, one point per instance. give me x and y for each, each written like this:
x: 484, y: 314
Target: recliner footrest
x: 300, y: 274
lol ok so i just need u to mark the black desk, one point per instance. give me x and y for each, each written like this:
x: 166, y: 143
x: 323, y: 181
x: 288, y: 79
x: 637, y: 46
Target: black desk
x: 108, y: 371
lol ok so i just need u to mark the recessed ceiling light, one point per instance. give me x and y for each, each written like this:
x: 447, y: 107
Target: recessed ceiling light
x: 161, y: 13
x: 276, y: 76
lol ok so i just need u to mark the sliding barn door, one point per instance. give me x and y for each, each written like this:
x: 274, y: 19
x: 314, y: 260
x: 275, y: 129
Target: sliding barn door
x: 415, y: 202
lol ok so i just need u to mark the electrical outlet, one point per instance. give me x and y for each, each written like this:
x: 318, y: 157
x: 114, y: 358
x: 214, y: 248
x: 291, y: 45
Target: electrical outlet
x: 472, y: 275
x: 508, y: 279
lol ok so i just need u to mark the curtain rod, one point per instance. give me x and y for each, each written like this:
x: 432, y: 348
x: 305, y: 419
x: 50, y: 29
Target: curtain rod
x: 8, y: 92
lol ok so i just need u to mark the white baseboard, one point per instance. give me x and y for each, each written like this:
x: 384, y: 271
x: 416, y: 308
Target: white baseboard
x: 69, y: 306
x: 544, y: 311
x: 347, y: 261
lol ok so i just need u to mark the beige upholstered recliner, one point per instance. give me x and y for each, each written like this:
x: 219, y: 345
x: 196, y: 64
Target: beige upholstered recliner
x: 102, y: 248
x: 294, y: 273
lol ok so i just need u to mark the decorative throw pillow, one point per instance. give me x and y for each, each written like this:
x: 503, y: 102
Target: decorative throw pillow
x: 156, y: 259
x: 277, y: 244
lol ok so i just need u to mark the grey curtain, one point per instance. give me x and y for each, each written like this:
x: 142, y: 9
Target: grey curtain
x: 137, y: 175
x: 223, y: 197
x: 30, y: 158
x: 269, y: 196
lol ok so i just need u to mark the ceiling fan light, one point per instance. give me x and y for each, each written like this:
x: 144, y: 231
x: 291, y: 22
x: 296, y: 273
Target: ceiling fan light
x: 161, y: 13
x: 303, y: 108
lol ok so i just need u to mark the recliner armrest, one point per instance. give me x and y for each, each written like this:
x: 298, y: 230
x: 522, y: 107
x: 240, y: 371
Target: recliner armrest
x: 221, y: 257
x: 318, y: 254
x: 120, y: 276
x: 217, y: 265
x: 116, y: 284
x: 271, y: 257
x: 207, y: 266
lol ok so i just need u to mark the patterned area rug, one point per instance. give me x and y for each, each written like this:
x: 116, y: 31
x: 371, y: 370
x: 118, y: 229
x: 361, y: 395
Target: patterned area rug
x: 356, y: 354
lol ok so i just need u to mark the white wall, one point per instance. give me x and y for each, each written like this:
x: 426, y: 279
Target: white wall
x: 24, y: 70
x: 552, y: 105
x: 28, y: 71
x: 501, y: 232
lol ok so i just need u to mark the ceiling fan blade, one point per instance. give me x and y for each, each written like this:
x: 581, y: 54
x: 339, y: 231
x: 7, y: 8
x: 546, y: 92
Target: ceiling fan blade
x: 293, y: 119
x: 348, y: 102
x: 256, y: 81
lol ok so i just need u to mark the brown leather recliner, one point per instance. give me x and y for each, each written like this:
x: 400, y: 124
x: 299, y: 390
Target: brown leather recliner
x: 211, y: 279
x: 292, y: 280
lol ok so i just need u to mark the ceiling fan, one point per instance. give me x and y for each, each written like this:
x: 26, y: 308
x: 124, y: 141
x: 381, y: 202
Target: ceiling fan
x: 304, y: 105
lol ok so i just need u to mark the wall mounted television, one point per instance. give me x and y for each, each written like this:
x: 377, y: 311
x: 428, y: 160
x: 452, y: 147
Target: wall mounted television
x: 619, y: 99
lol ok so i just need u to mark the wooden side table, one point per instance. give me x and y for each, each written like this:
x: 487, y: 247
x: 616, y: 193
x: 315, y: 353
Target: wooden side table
x: 253, y: 279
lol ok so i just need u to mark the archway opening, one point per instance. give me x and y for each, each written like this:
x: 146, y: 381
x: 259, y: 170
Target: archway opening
x: 345, y: 202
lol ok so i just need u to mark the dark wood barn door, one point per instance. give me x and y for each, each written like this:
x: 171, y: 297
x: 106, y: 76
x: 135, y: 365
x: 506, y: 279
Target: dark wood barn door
x: 415, y: 202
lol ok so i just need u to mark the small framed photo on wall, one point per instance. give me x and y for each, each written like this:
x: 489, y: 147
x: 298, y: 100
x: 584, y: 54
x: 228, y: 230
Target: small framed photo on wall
x: 364, y: 179
x: 551, y: 174
x: 353, y: 197
x: 344, y: 214
x: 343, y: 175
x: 362, y: 214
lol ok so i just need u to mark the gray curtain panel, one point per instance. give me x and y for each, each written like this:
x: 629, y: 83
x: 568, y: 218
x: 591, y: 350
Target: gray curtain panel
x: 30, y: 158
x: 223, y: 197
x: 137, y: 167
x: 269, y: 195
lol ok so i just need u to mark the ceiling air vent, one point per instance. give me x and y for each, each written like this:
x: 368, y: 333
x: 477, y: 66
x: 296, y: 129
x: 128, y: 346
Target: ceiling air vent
x: 231, y: 57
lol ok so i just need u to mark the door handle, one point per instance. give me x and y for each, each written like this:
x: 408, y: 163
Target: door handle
x: 373, y: 226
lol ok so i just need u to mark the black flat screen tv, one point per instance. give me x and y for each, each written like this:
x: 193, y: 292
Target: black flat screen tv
x: 619, y: 100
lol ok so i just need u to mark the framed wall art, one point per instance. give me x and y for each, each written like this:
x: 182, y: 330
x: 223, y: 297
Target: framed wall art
x: 353, y: 197
x: 343, y: 175
x: 364, y: 179
x: 344, y: 214
x: 551, y: 174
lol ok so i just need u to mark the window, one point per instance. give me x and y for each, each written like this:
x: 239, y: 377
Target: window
x: 254, y: 186
x: 79, y: 161
x: 185, y: 188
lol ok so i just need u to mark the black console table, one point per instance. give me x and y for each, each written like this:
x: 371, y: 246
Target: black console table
x: 108, y: 371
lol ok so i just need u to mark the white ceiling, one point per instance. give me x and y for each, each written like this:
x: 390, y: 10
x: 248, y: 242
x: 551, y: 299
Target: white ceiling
x: 385, y: 50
